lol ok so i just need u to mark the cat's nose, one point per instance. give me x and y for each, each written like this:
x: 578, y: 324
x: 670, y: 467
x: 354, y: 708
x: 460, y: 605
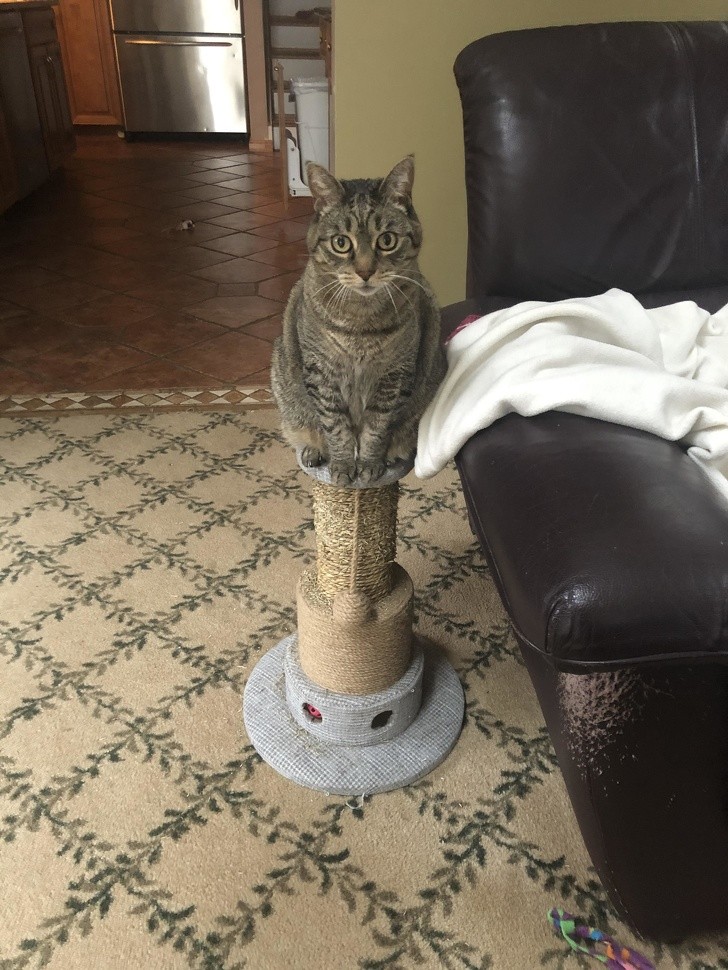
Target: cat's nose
x: 365, y: 274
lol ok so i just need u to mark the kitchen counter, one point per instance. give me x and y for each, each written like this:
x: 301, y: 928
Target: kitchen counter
x: 10, y: 6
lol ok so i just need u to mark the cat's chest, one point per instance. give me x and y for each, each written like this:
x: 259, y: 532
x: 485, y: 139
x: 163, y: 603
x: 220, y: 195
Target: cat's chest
x: 351, y: 379
x: 358, y: 375
x: 358, y: 381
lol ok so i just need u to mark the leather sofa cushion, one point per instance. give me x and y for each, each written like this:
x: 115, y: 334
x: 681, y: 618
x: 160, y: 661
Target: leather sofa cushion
x: 596, y: 160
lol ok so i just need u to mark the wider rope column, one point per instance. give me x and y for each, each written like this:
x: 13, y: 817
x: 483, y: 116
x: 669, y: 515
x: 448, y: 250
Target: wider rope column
x: 353, y: 703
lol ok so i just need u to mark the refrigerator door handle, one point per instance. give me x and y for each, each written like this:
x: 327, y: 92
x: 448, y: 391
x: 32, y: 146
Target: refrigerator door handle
x: 179, y: 43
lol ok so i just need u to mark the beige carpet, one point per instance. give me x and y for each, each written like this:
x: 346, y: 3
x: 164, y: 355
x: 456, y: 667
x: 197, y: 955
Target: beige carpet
x: 147, y: 561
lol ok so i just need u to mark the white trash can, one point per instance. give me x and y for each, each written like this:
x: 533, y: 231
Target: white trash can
x: 312, y: 119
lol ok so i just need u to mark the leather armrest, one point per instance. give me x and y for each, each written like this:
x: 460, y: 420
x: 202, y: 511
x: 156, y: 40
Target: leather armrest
x: 609, y: 545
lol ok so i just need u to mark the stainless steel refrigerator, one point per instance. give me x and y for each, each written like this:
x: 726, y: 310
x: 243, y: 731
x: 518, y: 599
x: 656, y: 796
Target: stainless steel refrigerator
x: 181, y: 65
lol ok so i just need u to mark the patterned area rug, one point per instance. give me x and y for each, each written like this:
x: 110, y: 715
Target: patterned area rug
x: 147, y: 561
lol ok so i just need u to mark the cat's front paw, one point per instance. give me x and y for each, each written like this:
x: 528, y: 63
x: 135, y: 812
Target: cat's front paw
x: 371, y: 471
x: 311, y: 457
x: 393, y: 460
x: 401, y: 448
x: 342, y: 472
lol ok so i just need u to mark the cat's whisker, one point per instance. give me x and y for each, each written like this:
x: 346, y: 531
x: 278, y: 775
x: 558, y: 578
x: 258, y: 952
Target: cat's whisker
x: 328, y: 306
x: 398, y: 276
x: 386, y: 287
x: 401, y: 293
x: 343, y: 297
x: 339, y: 298
x: 339, y: 284
x: 347, y: 293
x: 326, y: 285
x: 334, y: 282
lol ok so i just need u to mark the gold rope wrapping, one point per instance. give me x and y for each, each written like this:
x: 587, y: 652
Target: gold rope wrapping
x: 360, y: 657
x: 353, y: 555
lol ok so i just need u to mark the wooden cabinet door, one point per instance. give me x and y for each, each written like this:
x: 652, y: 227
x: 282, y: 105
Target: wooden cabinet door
x: 89, y: 60
x: 23, y: 135
x: 65, y: 139
x: 325, y: 43
x: 9, y: 189
x: 50, y: 91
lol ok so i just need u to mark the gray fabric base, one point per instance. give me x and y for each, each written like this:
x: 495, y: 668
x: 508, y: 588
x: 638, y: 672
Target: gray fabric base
x: 339, y: 769
x: 393, y: 474
x: 347, y: 718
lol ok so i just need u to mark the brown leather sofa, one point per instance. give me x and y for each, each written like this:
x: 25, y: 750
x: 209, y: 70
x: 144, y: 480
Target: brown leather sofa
x: 597, y: 156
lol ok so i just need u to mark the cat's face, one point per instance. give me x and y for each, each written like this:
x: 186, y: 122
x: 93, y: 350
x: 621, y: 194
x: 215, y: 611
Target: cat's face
x: 365, y: 235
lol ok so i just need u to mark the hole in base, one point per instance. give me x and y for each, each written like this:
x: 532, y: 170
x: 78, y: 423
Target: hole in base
x: 313, y: 713
x: 380, y: 720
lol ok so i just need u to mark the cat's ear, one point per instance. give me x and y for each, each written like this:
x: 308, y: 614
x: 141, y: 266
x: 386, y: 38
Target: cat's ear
x: 326, y: 190
x: 397, y: 186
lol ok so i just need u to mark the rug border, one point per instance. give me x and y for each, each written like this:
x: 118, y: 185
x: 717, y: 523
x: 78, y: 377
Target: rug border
x: 237, y: 397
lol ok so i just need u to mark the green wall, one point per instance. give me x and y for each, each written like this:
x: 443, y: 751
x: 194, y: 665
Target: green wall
x: 394, y: 93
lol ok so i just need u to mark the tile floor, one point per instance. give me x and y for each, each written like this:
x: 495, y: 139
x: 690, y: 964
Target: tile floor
x: 100, y: 291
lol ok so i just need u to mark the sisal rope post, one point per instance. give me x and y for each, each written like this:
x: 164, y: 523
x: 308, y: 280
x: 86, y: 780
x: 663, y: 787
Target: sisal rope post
x: 355, y: 605
x: 356, y: 538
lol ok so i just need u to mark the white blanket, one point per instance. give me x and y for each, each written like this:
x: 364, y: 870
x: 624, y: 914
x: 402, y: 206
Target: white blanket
x: 664, y: 371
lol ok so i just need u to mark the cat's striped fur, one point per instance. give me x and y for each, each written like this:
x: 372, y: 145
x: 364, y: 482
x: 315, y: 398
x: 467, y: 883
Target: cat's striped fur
x: 360, y: 355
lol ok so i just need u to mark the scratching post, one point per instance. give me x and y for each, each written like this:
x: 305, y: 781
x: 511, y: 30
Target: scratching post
x: 353, y: 703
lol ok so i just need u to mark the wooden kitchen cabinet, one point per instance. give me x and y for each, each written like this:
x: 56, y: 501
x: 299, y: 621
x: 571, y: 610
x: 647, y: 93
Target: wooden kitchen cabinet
x: 84, y: 30
x: 36, y: 133
x: 46, y: 68
x: 26, y: 166
x: 9, y: 189
x: 325, y: 42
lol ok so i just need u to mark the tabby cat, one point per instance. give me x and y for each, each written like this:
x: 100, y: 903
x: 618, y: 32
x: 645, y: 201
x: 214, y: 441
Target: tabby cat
x: 360, y: 357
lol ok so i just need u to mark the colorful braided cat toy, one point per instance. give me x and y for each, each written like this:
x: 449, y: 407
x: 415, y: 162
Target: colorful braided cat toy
x: 594, y: 943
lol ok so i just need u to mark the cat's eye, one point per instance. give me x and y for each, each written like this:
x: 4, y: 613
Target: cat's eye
x: 340, y: 244
x: 387, y: 241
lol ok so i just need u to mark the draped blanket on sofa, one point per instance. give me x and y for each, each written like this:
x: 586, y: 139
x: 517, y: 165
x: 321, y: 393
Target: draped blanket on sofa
x: 661, y: 370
